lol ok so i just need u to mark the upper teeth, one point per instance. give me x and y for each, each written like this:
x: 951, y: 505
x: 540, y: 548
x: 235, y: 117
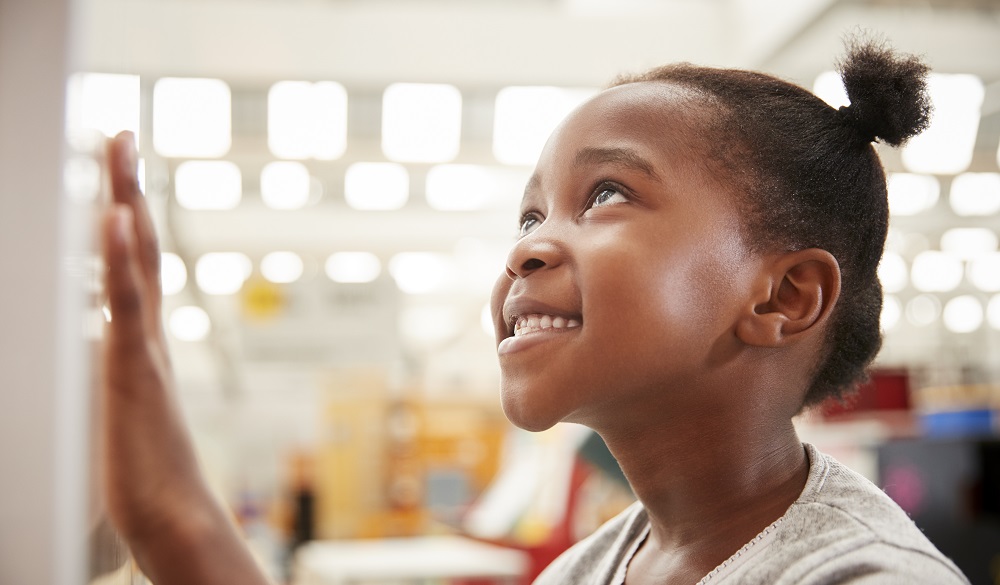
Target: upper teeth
x: 530, y: 323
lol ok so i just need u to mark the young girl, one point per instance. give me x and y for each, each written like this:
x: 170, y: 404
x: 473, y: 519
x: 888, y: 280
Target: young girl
x: 696, y: 264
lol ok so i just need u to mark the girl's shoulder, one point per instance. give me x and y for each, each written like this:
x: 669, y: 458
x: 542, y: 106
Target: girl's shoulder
x: 843, y: 526
x: 597, y: 557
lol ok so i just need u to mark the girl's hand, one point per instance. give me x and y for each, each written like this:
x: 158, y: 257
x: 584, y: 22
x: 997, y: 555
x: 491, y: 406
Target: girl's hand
x: 156, y: 496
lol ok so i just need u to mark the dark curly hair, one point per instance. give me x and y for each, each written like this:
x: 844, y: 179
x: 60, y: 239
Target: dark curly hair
x: 810, y: 177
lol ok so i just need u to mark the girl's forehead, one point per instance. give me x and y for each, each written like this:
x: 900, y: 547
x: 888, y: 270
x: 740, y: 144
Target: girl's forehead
x: 655, y: 125
x: 644, y: 109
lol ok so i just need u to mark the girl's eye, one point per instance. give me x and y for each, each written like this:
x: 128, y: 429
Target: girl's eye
x: 608, y: 196
x: 528, y: 224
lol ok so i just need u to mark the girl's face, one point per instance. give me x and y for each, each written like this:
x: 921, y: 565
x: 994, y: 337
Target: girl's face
x: 621, y: 294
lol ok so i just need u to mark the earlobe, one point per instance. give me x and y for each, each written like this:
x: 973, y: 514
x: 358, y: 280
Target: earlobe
x: 797, y: 293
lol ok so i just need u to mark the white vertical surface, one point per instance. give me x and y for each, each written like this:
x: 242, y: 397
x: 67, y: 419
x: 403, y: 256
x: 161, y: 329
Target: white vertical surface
x: 42, y: 375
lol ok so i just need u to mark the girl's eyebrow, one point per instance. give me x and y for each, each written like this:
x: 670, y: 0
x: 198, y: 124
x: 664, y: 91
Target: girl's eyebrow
x: 533, y: 183
x: 620, y: 156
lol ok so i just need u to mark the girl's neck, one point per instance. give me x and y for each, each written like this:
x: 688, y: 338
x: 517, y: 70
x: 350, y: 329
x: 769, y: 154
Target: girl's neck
x: 710, y: 488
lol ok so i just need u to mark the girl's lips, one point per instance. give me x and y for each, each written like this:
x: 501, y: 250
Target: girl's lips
x: 529, y: 336
x: 525, y: 324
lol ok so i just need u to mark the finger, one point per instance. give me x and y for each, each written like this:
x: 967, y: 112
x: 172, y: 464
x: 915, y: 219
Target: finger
x: 123, y: 280
x: 122, y: 164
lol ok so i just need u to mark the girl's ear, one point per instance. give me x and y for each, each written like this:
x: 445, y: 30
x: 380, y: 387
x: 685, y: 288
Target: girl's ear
x: 796, y: 295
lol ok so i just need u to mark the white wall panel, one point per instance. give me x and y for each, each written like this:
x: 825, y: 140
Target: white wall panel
x: 43, y: 400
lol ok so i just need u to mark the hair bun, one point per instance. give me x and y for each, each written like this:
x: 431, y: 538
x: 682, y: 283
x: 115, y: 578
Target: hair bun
x: 888, y: 92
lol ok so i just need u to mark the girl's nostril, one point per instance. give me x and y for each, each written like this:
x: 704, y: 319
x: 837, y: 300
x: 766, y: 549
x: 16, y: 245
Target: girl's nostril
x: 532, y: 264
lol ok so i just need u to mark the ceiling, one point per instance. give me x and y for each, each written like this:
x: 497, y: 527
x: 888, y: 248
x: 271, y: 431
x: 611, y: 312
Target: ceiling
x: 481, y: 47
x: 569, y: 42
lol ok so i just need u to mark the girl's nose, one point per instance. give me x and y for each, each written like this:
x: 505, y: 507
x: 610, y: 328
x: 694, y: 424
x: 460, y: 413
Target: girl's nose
x: 531, y: 254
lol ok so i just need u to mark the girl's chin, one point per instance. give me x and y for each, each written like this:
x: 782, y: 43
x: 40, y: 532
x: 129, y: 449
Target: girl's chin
x: 524, y: 415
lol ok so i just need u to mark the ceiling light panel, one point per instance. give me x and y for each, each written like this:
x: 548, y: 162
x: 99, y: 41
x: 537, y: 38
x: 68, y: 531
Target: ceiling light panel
x: 173, y: 273
x: 963, y: 314
x: 525, y: 116
x: 892, y: 310
x: 946, y: 146
x: 222, y: 273
x: 829, y: 87
x: 935, y: 271
x: 969, y: 243
x: 892, y: 272
x: 192, y: 117
x: 421, y: 272
x: 910, y: 194
x: 975, y: 194
x: 984, y: 272
x: 473, y: 187
x: 208, y: 185
x: 282, y: 267
x: 285, y: 185
x: 307, y: 120
x: 993, y: 312
x: 421, y: 122
x: 100, y: 105
x: 189, y: 323
x: 923, y: 310
x: 376, y: 186
x: 353, y: 267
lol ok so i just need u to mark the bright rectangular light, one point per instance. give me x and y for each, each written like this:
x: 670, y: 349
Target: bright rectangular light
x: 307, y: 120
x: 829, y: 87
x: 222, y: 273
x: 910, y: 194
x: 421, y: 272
x: 946, y: 146
x: 173, y: 273
x: 208, y: 184
x: 472, y: 187
x: 190, y: 323
x: 376, y: 186
x: 969, y: 242
x: 421, y: 122
x: 975, y: 194
x: 285, y: 185
x: 100, y: 104
x: 892, y: 310
x: 934, y: 271
x: 993, y: 312
x: 892, y: 272
x: 282, y: 267
x: 192, y: 117
x: 524, y: 116
x: 984, y: 272
x: 963, y: 314
x: 353, y: 267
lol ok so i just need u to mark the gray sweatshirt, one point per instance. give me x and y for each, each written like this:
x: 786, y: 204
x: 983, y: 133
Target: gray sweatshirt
x: 841, y: 529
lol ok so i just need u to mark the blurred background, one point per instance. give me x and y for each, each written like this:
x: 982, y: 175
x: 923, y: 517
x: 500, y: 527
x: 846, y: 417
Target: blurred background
x: 336, y: 185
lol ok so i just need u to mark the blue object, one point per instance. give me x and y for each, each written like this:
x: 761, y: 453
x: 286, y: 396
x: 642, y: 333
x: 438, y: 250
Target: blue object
x: 958, y: 423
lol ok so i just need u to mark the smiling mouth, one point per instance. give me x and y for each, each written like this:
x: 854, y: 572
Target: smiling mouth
x: 525, y: 324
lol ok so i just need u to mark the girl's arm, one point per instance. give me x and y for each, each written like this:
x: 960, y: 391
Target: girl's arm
x: 156, y: 495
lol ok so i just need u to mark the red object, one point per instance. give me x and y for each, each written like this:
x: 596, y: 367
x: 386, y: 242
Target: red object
x: 886, y: 390
x: 560, y: 539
